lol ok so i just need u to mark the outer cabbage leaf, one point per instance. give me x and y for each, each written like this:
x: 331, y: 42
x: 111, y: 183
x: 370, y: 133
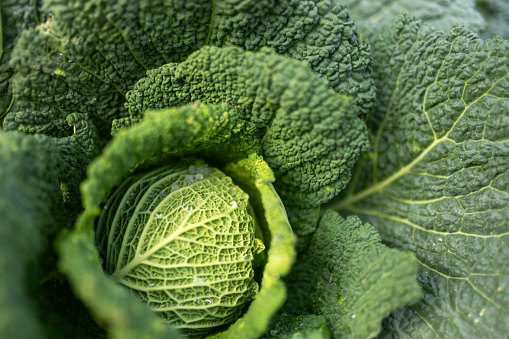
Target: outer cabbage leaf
x: 495, y: 13
x: 352, y: 279
x: 15, y: 16
x: 90, y: 53
x: 436, y: 179
x: 286, y: 326
x: 309, y: 135
x: 257, y: 178
x: 35, y: 204
x: 441, y: 14
x: 153, y: 139
x: 30, y: 207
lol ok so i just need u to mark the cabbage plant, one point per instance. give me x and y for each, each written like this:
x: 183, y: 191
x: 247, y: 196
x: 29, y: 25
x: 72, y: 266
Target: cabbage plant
x: 373, y: 163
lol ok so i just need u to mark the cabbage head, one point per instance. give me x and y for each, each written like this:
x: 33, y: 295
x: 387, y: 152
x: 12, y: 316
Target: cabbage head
x: 181, y: 239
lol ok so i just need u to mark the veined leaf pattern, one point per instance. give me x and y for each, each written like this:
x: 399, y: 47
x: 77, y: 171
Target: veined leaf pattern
x: 181, y: 239
x: 436, y: 179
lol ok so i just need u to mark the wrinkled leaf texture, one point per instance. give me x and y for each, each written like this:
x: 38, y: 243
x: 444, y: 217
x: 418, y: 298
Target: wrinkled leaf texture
x: 436, y: 180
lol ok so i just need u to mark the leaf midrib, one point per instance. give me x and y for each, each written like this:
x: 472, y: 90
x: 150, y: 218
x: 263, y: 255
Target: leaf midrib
x: 379, y: 186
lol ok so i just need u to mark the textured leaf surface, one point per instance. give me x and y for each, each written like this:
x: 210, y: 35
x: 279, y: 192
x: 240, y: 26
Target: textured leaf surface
x: 110, y: 305
x: 352, y: 279
x: 286, y: 326
x: 436, y: 180
x: 181, y: 239
x: 30, y: 205
x: 92, y: 52
x: 257, y: 178
x: 495, y: 13
x: 310, y: 135
x: 37, y: 199
x: 440, y: 14
x: 15, y: 16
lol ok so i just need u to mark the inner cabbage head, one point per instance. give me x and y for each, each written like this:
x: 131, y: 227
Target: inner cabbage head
x: 181, y: 239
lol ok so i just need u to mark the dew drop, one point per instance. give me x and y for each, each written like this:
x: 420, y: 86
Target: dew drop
x: 174, y: 187
x: 158, y: 214
x: 199, y: 176
x: 246, y: 256
x: 152, y: 285
x: 440, y: 239
x: 234, y: 204
x: 197, y: 301
x: 208, y: 301
x: 353, y: 315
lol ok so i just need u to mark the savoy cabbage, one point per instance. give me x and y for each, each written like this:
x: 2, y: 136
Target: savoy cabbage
x: 151, y: 149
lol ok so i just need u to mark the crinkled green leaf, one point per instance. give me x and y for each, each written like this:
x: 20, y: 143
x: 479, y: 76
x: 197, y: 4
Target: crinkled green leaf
x: 441, y: 14
x: 309, y: 135
x: 38, y: 198
x: 352, y: 279
x: 257, y: 178
x: 286, y: 326
x: 495, y: 13
x: 30, y: 204
x: 90, y: 53
x: 436, y: 180
x: 15, y: 16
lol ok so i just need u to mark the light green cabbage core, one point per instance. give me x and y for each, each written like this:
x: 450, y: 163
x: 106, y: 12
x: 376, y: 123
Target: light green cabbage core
x: 181, y: 239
